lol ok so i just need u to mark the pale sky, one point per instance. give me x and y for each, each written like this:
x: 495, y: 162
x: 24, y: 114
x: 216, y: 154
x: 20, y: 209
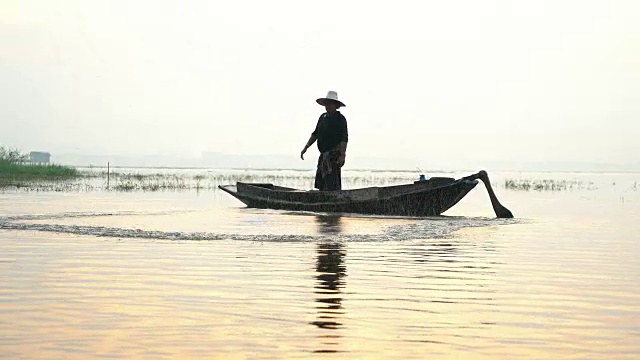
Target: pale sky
x: 452, y: 80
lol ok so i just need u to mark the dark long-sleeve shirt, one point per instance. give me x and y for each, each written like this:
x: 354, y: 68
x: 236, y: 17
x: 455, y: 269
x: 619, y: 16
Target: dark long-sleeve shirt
x: 331, y: 130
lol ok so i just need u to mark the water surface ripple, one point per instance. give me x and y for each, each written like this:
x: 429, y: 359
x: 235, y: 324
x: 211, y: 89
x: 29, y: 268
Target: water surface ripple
x: 435, y: 227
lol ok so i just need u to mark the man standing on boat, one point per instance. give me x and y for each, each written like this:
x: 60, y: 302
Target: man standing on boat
x: 332, y: 136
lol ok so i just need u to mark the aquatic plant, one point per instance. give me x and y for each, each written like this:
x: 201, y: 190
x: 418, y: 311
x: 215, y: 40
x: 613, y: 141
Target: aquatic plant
x: 34, y: 171
x: 547, y: 185
x: 21, y: 175
x: 129, y: 180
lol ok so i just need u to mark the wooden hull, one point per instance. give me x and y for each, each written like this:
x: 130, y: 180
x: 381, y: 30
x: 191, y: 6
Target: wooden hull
x: 429, y: 198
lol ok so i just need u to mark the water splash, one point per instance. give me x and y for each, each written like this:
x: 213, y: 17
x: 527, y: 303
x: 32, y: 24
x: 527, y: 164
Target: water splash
x: 435, y: 227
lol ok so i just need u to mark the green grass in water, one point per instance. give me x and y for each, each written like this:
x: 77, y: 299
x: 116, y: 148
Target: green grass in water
x: 28, y: 172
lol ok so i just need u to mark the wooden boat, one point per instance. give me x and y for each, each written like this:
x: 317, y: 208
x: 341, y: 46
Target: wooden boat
x: 421, y: 198
x: 431, y: 197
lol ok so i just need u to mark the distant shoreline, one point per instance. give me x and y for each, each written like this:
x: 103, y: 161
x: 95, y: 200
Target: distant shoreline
x: 264, y: 162
x: 438, y: 171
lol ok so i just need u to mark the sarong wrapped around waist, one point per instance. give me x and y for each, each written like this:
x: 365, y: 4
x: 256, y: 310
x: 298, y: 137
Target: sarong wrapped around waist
x: 328, y: 165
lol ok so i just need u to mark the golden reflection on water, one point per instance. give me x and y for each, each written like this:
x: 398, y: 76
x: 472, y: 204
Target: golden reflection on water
x: 482, y: 294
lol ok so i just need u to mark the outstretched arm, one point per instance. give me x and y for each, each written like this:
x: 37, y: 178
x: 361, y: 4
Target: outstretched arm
x: 342, y: 148
x: 310, y: 142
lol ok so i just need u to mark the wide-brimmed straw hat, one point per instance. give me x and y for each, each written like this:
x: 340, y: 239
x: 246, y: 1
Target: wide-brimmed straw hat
x: 331, y: 95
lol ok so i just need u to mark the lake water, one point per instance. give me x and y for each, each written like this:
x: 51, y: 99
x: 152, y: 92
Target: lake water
x: 195, y: 274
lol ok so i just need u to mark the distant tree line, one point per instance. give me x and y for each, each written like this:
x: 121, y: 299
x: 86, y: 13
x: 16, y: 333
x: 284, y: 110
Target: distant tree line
x: 12, y: 156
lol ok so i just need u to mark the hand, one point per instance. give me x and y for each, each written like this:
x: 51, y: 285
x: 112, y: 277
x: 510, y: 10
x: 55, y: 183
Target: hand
x: 340, y: 160
x: 302, y: 153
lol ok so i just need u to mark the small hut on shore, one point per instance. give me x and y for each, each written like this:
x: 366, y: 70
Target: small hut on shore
x: 39, y: 157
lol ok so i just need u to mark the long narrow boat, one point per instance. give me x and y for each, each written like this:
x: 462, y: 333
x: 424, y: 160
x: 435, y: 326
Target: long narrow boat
x: 421, y: 198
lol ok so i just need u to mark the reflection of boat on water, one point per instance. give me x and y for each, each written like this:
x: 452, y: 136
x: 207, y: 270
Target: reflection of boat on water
x: 329, y: 224
x: 330, y: 280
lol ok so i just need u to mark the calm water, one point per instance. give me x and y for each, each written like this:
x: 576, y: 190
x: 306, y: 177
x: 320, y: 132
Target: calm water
x: 99, y: 274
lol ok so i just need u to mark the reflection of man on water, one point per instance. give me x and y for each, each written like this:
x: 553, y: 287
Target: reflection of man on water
x: 331, y: 270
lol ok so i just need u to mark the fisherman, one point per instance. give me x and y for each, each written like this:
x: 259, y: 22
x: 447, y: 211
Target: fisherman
x: 332, y: 136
